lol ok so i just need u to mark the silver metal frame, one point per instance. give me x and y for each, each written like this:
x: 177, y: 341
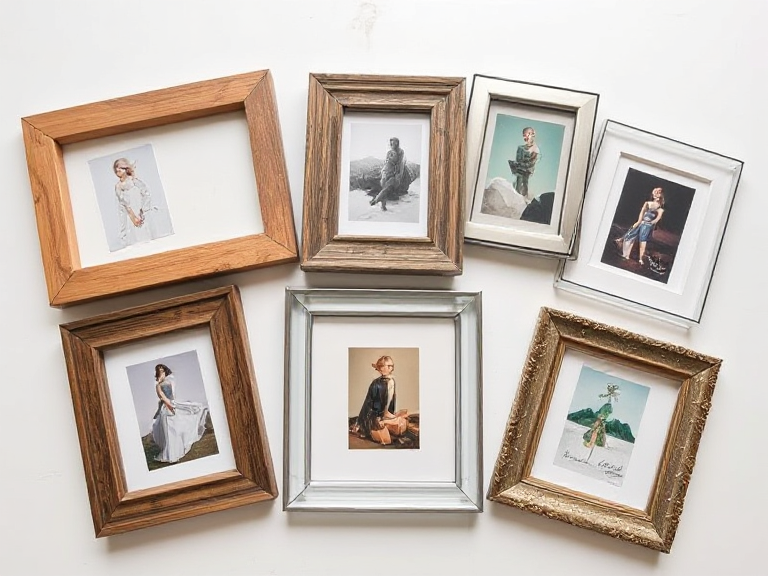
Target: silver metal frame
x: 300, y: 491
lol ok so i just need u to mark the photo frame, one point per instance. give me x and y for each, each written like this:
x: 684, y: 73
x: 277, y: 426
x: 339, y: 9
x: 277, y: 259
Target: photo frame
x: 350, y: 174
x: 574, y: 452
x: 68, y: 281
x: 653, y: 255
x: 528, y: 151
x: 322, y: 469
x: 125, y: 492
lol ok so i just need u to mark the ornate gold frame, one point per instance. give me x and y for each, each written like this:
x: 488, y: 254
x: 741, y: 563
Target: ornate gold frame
x: 512, y: 484
x: 45, y: 134
x: 330, y: 95
x: 114, y: 508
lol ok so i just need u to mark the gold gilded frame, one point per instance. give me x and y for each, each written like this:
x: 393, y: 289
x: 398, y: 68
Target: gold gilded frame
x: 45, y: 134
x: 512, y: 483
x: 329, y: 96
x: 114, y: 508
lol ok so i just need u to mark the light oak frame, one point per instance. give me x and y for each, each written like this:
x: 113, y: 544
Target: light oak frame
x: 45, y: 134
x: 115, y: 509
x: 330, y: 95
x: 512, y: 484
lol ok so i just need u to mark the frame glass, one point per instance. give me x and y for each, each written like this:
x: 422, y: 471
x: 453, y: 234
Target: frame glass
x: 186, y: 360
x: 138, y: 224
x: 384, y: 174
x: 653, y: 222
x: 604, y: 430
x: 331, y: 336
x: 528, y: 148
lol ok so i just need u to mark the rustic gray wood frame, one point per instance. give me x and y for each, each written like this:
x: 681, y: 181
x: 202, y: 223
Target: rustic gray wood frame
x: 330, y: 95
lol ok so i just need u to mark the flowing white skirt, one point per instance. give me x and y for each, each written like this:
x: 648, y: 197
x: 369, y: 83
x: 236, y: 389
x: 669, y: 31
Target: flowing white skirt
x: 175, y: 433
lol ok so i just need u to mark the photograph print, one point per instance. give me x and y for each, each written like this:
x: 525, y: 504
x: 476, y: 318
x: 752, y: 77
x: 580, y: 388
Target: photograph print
x: 172, y: 410
x: 383, y: 398
x: 385, y: 179
x: 648, y: 225
x: 130, y: 196
x: 599, y: 431
x: 523, y: 164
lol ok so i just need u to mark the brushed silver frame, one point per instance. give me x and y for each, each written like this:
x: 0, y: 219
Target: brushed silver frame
x: 300, y: 491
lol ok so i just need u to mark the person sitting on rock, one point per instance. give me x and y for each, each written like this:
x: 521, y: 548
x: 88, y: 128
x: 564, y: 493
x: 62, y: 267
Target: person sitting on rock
x: 391, y: 172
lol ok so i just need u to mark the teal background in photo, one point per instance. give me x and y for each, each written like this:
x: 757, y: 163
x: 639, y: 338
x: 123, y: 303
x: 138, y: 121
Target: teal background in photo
x: 508, y: 135
x: 632, y: 397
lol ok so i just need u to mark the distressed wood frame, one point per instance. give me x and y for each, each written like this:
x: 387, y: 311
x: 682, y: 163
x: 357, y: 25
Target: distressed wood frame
x: 115, y: 509
x: 45, y: 134
x: 330, y: 95
x: 512, y: 483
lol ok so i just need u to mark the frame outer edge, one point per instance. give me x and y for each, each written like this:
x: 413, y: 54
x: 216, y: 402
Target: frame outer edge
x: 270, y: 170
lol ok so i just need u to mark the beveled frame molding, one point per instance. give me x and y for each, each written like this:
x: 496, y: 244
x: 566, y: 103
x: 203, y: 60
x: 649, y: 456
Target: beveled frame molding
x: 583, y: 107
x: 303, y: 492
x: 330, y: 95
x: 45, y: 134
x: 512, y: 484
x: 114, y: 509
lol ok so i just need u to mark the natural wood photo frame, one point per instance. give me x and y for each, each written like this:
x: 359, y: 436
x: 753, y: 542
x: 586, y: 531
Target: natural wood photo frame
x: 440, y: 252
x: 114, y: 508
x: 653, y: 525
x: 45, y: 134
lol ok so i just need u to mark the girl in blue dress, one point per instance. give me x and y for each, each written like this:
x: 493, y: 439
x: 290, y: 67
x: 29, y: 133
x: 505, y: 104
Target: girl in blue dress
x: 650, y: 214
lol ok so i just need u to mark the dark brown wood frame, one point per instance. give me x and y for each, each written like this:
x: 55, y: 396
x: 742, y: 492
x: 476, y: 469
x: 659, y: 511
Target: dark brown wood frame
x: 113, y: 507
x: 330, y: 95
x: 45, y: 134
x: 653, y: 526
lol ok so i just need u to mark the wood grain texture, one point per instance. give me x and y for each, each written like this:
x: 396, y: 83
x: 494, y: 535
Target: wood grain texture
x: 146, y: 110
x: 50, y: 193
x: 113, y: 508
x: 269, y: 165
x: 44, y: 134
x: 511, y: 483
x: 329, y: 96
x: 244, y: 253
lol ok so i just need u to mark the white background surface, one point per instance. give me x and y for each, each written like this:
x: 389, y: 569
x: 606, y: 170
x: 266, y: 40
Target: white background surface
x: 694, y: 71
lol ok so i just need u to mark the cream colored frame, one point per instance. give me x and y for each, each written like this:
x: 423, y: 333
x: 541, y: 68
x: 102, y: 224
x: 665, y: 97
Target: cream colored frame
x: 583, y: 106
x: 512, y: 484
x: 45, y: 134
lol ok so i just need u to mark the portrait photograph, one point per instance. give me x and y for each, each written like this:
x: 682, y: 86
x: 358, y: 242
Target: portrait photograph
x: 599, y: 431
x: 131, y: 198
x: 647, y: 226
x: 172, y: 410
x: 383, y: 398
x: 385, y: 174
x: 523, y: 166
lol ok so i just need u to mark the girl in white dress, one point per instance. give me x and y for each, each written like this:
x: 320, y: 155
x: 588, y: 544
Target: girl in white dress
x: 134, y: 205
x: 178, y: 425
